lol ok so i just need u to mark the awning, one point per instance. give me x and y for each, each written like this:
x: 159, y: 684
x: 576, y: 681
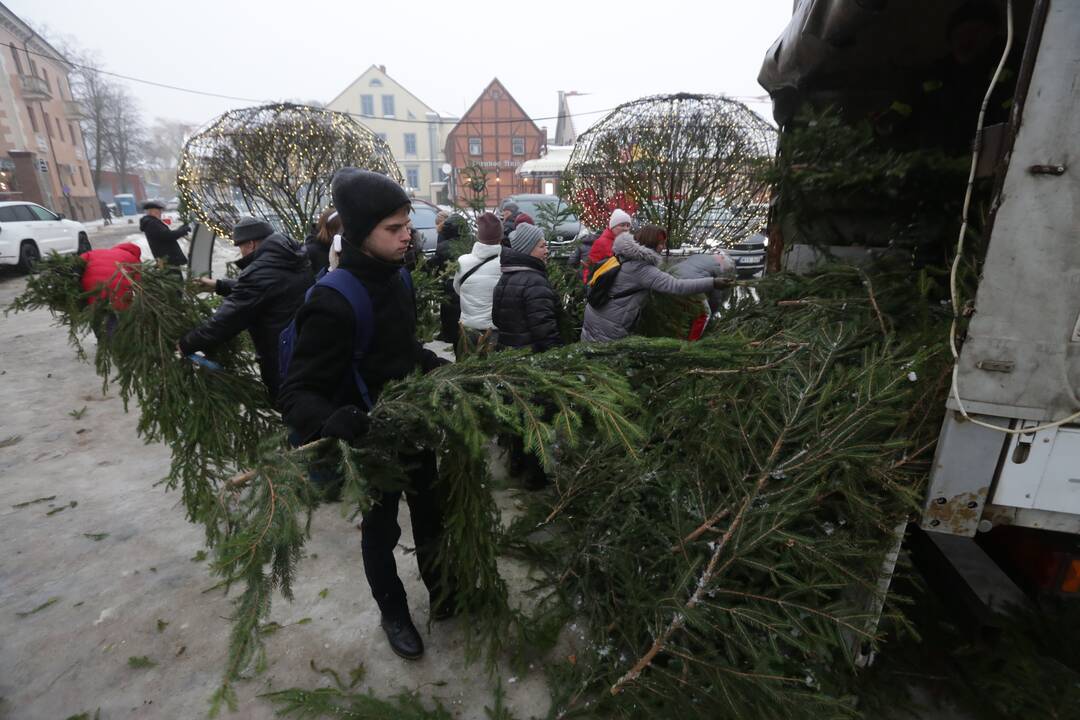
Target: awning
x: 554, y: 163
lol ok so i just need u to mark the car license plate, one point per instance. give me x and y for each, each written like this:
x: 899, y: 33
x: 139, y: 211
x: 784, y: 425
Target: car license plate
x: 748, y: 260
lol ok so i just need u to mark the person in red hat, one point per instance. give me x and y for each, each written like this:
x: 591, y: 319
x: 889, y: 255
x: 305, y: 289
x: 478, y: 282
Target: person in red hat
x: 103, y: 271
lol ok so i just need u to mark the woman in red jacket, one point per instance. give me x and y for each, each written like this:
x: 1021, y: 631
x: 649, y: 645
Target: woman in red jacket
x: 601, y: 249
x: 102, y: 272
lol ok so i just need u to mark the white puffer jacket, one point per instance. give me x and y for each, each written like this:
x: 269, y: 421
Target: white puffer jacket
x: 476, y: 292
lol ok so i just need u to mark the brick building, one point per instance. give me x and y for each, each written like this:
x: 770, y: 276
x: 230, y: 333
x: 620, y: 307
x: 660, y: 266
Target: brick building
x: 497, y: 136
x: 42, y: 156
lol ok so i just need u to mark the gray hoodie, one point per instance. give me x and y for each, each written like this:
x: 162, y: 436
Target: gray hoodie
x: 639, y: 273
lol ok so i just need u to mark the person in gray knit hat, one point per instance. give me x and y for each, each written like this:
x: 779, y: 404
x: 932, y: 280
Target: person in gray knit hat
x: 525, y: 311
x: 524, y: 305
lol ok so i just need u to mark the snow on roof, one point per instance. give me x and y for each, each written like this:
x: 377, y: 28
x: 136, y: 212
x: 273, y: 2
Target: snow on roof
x: 554, y: 161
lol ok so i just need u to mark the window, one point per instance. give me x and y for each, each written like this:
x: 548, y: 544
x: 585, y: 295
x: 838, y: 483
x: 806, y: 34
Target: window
x: 45, y: 119
x: 59, y: 88
x: 476, y: 147
x: 59, y: 129
x: 18, y: 62
x: 375, y: 82
x: 71, y: 132
x: 33, y: 119
x: 517, y: 145
x: 367, y: 105
x: 82, y: 176
x: 412, y: 177
x: 410, y: 144
x: 382, y: 136
x: 45, y: 75
x: 41, y: 213
x: 388, y: 105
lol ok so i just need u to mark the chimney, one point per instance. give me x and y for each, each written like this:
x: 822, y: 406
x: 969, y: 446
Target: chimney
x: 382, y: 69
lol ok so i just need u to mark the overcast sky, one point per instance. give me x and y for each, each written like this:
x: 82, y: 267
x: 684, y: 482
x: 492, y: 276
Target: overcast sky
x: 444, y: 53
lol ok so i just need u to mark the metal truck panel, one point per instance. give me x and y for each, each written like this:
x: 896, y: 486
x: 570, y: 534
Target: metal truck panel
x: 1022, y: 349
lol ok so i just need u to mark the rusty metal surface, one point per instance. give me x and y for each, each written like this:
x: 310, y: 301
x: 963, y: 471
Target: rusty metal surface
x: 964, y: 466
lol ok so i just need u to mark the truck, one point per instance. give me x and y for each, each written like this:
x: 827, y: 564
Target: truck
x: 1001, y: 517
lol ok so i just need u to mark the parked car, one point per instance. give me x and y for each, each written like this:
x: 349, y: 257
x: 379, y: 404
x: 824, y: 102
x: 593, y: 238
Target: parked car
x: 29, y: 231
x: 422, y: 216
x: 749, y: 256
x: 530, y: 204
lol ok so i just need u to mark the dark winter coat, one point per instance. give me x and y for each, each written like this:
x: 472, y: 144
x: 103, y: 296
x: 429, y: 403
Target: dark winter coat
x: 162, y: 240
x: 261, y: 300
x: 317, y: 254
x: 320, y: 372
x: 638, y: 274
x: 524, y: 307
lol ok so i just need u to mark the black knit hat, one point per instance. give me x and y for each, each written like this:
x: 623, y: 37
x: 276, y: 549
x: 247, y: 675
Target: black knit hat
x: 249, y: 228
x: 364, y: 199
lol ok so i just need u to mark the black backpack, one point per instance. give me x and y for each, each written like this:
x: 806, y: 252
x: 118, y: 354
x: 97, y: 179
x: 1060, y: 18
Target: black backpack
x: 602, y: 280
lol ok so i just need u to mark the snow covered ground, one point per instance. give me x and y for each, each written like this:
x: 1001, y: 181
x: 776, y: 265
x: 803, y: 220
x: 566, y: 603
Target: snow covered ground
x: 107, y: 569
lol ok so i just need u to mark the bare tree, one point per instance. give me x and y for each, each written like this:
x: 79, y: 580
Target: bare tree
x: 165, y: 140
x: 95, y: 93
x: 125, y: 135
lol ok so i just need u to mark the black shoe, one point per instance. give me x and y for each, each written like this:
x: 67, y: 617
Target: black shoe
x: 405, y: 641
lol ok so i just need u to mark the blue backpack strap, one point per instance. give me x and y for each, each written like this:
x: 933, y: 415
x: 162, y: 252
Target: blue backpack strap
x: 353, y: 290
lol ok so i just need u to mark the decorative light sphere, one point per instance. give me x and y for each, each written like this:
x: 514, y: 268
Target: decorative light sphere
x: 274, y: 162
x: 692, y: 164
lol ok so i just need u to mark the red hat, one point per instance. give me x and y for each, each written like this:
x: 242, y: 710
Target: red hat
x: 523, y: 218
x: 489, y: 229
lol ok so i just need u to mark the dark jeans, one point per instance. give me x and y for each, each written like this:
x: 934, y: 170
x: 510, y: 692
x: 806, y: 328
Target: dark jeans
x: 381, y: 533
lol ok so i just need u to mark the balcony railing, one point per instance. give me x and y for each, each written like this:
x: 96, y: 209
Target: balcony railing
x: 74, y: 109
x: 34, y: 88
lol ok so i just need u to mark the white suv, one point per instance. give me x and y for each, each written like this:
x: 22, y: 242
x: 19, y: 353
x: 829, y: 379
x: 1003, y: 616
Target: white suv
x: 29, y: 231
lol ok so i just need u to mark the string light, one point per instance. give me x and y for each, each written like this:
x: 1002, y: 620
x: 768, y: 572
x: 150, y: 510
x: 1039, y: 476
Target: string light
x: 688, y: 163
x: 274, y: 162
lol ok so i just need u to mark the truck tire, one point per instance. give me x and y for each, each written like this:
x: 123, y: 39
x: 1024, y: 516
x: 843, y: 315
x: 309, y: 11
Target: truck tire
x: 28, y: 256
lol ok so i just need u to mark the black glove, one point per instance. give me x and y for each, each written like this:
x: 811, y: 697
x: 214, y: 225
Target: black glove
x: 185, y: 229
x: 348, y: 423
x: 430, y: 361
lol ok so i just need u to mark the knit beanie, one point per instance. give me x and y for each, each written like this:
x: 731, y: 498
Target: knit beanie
x: 364, y: 199
x: 513, y: 208
x: 523, y: 218
x: 249, y: 228
x: 619, y: 217
x: 488, y: 229
x: 525, y: 237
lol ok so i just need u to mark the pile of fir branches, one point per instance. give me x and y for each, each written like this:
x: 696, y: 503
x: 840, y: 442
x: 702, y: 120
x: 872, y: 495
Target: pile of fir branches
x: 720, y: 510
x: 219, y: 423
x: 731, y: 566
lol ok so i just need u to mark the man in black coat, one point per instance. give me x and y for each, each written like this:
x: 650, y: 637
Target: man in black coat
x: 274, y: 275
x: 321, y: 399
x: 159, y: 237
x: 524, y: 307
